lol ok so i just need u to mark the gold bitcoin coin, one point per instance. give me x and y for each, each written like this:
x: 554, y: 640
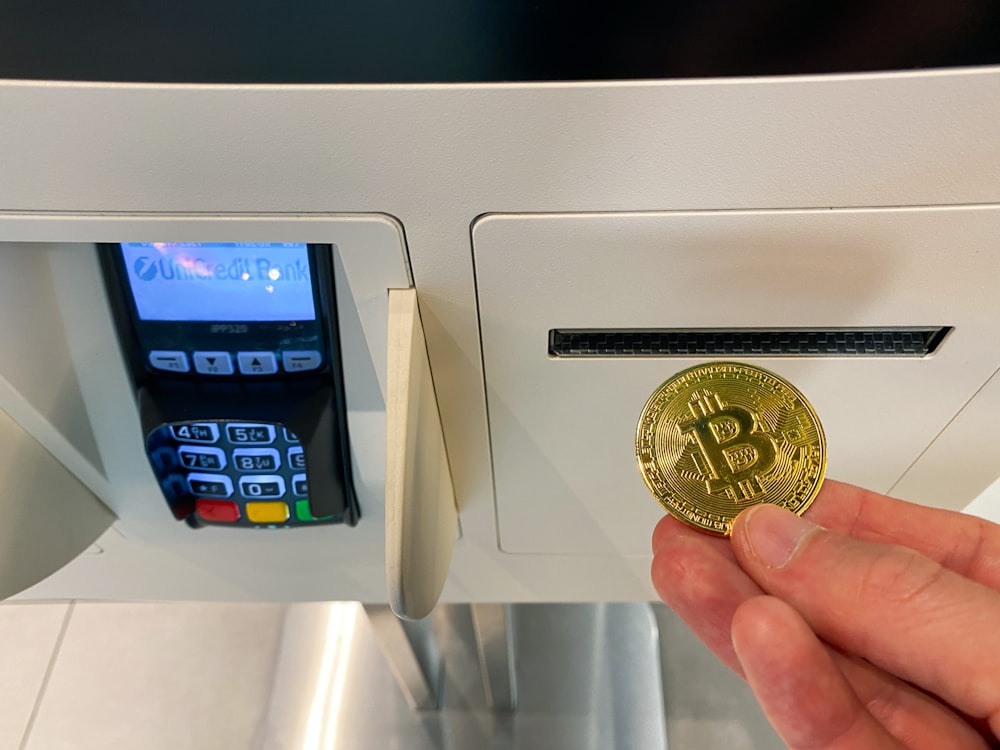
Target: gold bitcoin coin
x: 720, y: 437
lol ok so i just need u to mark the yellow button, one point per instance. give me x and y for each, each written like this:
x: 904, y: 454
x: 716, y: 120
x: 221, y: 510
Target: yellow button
x: 267, y: 512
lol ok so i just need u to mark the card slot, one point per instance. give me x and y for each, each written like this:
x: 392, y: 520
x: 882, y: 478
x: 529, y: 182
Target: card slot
x: 895, y: 341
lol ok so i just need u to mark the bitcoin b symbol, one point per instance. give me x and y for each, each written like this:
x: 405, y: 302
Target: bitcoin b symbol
x: 736, y: 455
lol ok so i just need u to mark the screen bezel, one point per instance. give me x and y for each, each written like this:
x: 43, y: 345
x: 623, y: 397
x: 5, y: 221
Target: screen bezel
x: 228, y: 335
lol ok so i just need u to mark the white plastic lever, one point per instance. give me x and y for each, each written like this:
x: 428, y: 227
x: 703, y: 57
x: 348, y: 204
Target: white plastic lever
x: 420, y: 515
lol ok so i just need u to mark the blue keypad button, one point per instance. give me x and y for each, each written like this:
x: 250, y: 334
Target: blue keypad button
x: 257, y: 363
x: 301, y: 361
x: 201, y: 457
x: 290, y: 436
x: 250, y: 434
x: 213, y: 363
x: 195, y: 432
x: 262, y: 486
x: 300, y: 486
x: 169, y: 361
x: 296, y: 459
x: 256, y: 459
x: 210, y: 485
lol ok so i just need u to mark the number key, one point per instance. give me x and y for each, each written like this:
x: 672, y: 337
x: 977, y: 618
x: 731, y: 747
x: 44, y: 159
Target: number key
x: 296, y: 458
x: 195, y: 432
x: 250, y: 434
x: 256, y: 459
x: 262, y: 486
x: 198, y: 457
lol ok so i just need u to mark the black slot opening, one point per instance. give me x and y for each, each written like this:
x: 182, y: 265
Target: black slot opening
x: 898, y: 341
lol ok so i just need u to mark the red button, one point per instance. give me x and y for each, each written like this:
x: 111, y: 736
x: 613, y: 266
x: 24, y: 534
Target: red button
x: 222, y: 511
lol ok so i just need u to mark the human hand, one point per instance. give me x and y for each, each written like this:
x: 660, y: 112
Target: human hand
x: 873, y: 624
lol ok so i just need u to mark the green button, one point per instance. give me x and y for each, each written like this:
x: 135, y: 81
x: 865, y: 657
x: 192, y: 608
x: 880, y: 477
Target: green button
x: 303, y: 513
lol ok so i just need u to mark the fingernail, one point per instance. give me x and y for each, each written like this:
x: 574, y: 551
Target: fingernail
x: 774, y: 534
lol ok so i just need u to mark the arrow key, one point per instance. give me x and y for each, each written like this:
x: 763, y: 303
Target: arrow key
x: 213, y: 363
x: 257, y: 363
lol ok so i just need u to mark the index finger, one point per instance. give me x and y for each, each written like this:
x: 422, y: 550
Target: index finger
x: 965, y: 544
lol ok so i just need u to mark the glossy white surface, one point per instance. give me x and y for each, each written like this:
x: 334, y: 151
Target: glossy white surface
x: 421, y: 520
x: 964, y: 460
x: 987, y: 505
x: 48, y: 516
x: 221, y: 564
x: 563, y: 430
x: 39, y: 387
x: 96, y: 162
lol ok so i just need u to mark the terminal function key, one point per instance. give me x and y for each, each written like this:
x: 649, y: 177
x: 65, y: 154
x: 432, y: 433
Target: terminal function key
x: 257, y: 363
x: 213, y: 363
x: 210, y: 485
x: 170, y: 361
x: 220, y: 511
x: 301, y: 361
x: 267, y: 512
x: 304, y: 513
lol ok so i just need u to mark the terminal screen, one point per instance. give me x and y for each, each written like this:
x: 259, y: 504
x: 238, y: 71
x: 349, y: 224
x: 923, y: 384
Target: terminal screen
x: 220, y: 281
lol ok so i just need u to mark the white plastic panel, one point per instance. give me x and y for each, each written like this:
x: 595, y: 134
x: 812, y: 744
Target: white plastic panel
x: 38, y: 384
x: 421, y: 518
x: 89, y: 162
x: 562, y: 430
x: 320, y: 563
x: 49, y: 516
x: 964, y: 462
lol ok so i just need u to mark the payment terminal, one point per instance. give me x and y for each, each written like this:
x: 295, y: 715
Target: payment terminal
x: 234, y: 354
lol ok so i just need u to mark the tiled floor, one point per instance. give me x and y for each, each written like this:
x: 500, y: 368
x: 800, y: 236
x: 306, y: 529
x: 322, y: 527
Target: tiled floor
x: 28, y: 637
x: 152, y: 676
x: 185, y: 676
x: 146, y: 676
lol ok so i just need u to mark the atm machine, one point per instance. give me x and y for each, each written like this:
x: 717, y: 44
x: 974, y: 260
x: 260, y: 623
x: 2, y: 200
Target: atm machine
x: 329, y: 305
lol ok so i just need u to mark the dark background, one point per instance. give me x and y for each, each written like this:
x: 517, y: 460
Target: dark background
x: 401, y: 41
